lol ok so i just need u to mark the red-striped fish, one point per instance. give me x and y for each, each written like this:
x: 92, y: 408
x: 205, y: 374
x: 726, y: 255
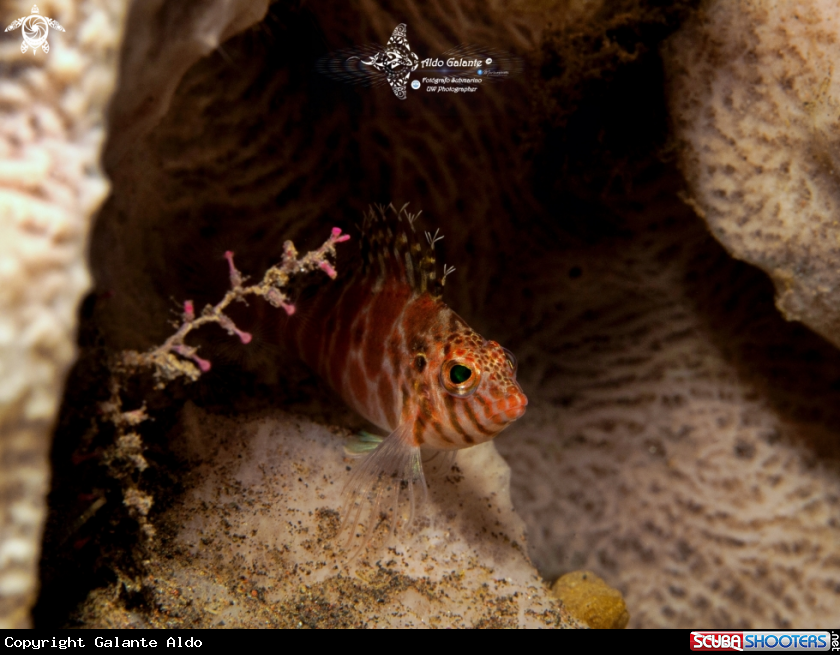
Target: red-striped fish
x: 397, y: 354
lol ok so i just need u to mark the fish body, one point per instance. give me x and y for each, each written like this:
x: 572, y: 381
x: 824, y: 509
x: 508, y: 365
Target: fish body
x: 398, y: 355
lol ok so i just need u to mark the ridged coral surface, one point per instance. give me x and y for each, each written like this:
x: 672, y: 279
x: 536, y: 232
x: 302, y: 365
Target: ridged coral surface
x: 51, y: 135
x: 681, y: 438
x: 755, y: 96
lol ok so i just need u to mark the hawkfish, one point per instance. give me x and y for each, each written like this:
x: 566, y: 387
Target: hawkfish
x: 385, y: 341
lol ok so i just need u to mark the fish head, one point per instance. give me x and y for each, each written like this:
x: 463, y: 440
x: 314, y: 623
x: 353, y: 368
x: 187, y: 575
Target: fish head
x: 478, y: 395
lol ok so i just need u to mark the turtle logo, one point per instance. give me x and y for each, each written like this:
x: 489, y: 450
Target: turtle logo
x: 397, y: 61
x: 35, y: 30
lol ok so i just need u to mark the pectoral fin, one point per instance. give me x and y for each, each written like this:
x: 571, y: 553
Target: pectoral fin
x: 391, y: 472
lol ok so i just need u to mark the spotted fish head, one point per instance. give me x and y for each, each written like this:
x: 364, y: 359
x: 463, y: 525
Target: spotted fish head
x: 473, y: 391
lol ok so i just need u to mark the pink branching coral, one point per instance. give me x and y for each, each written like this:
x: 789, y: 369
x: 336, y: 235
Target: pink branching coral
x: 174, y: 358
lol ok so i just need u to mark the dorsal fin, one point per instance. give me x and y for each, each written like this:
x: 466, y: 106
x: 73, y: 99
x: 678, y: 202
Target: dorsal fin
x: 391, y: 247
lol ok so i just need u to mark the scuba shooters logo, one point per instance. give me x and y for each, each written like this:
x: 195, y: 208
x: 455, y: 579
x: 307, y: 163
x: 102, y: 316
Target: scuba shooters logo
x: 460, y: 70
x: 785, y: 641
x: 717, y: 641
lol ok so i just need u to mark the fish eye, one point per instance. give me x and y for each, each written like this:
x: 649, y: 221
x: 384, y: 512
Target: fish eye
x: 459, y: 374
x: 511, y: 360
x: 460, y: 378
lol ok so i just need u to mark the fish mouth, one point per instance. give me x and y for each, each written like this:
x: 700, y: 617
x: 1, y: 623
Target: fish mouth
x: 510, y: 415
x: 516, y: 402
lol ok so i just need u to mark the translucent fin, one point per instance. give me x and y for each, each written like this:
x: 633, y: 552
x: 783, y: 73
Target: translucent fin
x: 440, y: 462
x: 385, y: 485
